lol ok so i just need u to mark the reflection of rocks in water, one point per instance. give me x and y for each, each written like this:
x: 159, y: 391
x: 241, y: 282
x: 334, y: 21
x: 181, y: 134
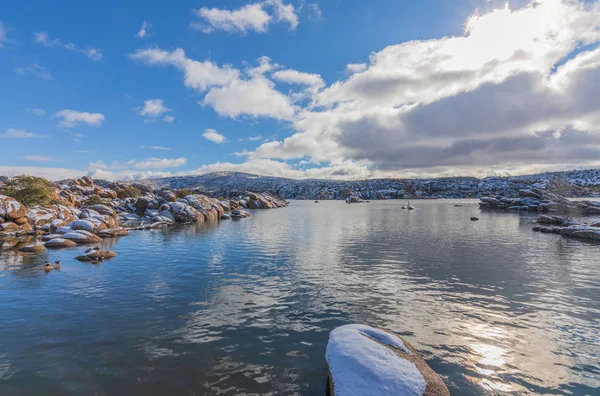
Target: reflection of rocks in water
x: 7, y: 370
x: 24, y: 267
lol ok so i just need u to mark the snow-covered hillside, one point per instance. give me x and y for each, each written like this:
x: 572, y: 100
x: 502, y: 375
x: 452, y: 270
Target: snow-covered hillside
x: 583, y: 182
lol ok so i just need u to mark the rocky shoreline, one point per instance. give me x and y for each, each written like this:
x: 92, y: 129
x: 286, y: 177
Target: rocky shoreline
x: 568, y: 228
x: 580, y: 183
x: 537, y: 199
x: 86, y: 213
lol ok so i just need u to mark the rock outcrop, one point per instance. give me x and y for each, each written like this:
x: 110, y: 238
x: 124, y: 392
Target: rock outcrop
x: 354, y: 199
x: 363, y: 360
x: 568, y: 228
x: 91, y: 212
x: 537, y: 199
x: 96, y: 256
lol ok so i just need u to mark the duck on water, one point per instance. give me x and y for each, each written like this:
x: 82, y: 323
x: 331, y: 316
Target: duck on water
x: 408, y: 206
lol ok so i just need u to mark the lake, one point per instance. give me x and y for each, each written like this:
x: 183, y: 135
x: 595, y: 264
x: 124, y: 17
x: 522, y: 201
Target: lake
x: 245, y: 307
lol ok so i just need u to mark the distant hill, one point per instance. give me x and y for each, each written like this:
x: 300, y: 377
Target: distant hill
x: 582, y: 182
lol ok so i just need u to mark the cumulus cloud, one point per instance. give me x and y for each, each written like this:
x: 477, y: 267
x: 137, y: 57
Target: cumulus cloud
x: 36, y: 70
x: 73, y: 118
x: 251, y: 17
x: 144, y: 30
x: 296, y: 77
x: 43, y: 38
x: 214, y: 136
x: 230, y: 93
x: 352, y: 68
x: 284, y: 12
x: 20, y: 134
x: 256, y: 97
x: 197, y: 75
x: 154, y: 108
x: 492, y: 98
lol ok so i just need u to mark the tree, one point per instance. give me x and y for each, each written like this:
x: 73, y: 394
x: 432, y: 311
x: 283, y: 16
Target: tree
x: 93, y: 200
x: 29, y: 190
x: 563, y: 188
x: 183, y: 193
x: 129, y: 192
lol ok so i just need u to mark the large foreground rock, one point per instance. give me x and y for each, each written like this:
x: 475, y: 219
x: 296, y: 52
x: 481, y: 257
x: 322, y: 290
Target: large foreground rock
x: 365, y: 361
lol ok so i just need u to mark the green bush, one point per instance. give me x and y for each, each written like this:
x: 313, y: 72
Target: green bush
x: 93, y: 200
x: 129, y: 192
x: 29, y: 190
x: 182, y: 193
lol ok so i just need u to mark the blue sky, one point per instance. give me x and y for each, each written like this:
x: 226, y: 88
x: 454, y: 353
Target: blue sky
x: 86, y: 90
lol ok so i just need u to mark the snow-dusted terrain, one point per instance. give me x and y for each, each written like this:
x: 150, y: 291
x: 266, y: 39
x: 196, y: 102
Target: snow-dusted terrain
x: 584, y: 182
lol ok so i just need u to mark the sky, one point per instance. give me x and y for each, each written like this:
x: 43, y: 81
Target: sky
x: 338, y: 89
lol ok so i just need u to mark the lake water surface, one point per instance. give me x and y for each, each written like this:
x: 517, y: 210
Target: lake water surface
x: 245, y: 307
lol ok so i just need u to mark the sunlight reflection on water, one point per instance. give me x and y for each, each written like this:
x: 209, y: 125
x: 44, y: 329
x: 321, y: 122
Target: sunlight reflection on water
x: 246, y: 306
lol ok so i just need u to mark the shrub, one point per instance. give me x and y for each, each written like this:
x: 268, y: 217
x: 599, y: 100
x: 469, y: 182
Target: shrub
x: 29, y: 190
x: 182, y: 193
x: 93, y: 200
x: 129, y: 192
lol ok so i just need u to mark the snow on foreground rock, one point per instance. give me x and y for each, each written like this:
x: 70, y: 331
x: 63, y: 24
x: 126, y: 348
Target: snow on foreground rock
x: 364, y: 361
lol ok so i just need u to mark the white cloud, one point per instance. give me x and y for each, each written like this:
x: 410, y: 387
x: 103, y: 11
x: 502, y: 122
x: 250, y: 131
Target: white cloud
x: 315, y: 11
x: 3, y: 35
x: 284, y: 13
x: 256, y: 97
x: 290, y: 76
x: 43, y: 38
x: 148, y: 163
x: 156, y: 147
x: 254, y: 138
x: 214, y: 136
x: 229, y: 93
x: 352, y: 68
x: 489, y: 100
x: 38, y: 158
x: 38, y: 112
x: 251, y: 17
x: 160, y: 163
x: 153, y: 108
x: 73, y: 118
x: 20, y: 134
x: 35, y: 69
x: 47, y: 173
x: 144, y: 30
x: 198, y: 75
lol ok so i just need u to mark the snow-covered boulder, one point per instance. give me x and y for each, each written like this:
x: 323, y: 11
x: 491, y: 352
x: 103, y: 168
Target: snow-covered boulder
x: 239, y: 214
x: 57, y: 243
x: 81, y: 237
x: 364, y: 361
x: 11, y: 209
